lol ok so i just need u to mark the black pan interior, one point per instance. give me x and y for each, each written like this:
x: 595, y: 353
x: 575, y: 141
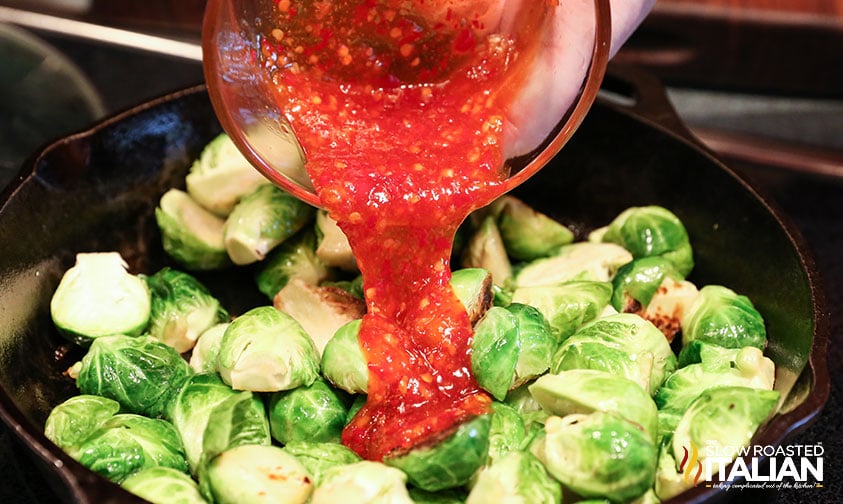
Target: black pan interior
x: 97, y: 191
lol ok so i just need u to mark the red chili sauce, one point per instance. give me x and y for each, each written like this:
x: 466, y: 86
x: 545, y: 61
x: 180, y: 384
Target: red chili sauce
x: 399, y: 106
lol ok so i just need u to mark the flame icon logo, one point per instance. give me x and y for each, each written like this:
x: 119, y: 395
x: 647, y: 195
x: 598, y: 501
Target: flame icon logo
x: 691, y: 461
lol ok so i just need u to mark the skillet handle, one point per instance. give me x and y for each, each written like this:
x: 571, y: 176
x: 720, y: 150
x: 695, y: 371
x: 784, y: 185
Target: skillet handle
x: 643, y: 94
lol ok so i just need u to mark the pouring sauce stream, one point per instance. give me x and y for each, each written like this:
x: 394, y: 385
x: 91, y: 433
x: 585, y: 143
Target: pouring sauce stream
x: 400, y: 108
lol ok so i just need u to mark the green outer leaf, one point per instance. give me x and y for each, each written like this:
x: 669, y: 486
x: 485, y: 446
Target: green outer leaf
x: 127, y: 443
x: 319, y: 457
x: 640, y: 279
x: 721, y: 316
x: 72, y: 421
x: 536, y: 340
x: 164, y: 485
x: 293, y: 258
x: 528, y: 234
x: 343, y: 362
x: 506, y: 431
x: 494, y: 351
x: 236, y: 421
x: 190, y: 234
x: 138, y: 372
x: 449, y: 463
x: 566, y: 306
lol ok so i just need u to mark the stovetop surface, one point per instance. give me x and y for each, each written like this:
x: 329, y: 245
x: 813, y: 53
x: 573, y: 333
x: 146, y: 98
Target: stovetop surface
x: 123, y: 78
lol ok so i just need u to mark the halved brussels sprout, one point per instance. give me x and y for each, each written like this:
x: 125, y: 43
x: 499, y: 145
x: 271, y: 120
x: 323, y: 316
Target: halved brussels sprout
x: 190, y: 409
x: 203, y: 358
x: 182, y: 309
x: 485, y: 250
x: 721, y: 316
x: 747, y: 368
x: 332, y: 245
x: 517, y: 477
x: 566, y: 306
x: 600, y: 455
x: 623, y: 344
x: 363, y: 482
x: 723, y: 419
x: 526, y: 233
x: 190, y: 234
x: 127, y: 443
x: 140, y: 373
x: 321, y: 310
x: 587, y: 390
x: 317, y: 458
x: 637, y: 282
x: 473, y: 287
x: 257, y: 474
x: 308, y: 413
x: 510, y: 346
x: 450, y: 462
x: 596, y: 262
x: 669, y: 305
x: 261, y: 221
x: 221, y: 176
x: 164, y: 485
x: 99, y: 297
x: 294, y: 258
x: 265, y: 350
x: 72, y: 421
x: 652, y: 231
x: 343, y: 362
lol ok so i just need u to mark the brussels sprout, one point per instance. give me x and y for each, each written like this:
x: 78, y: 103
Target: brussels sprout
x: 725, y: 318
x: 261, y: 221
x: 182, y: 309
x: 748, y: 369
x: 203, y: 358
x: 343, y: 362
x: 623, y: 344
x: 586, y: 391
x: 637, y: 282
x: 138, y: 372
x: 449, y: 463
x: 506, y: 431
x: 669, y: 305
x: 353, y: 286
x: 265, y: 350
x: 485, y: 250
x: 723, y: 419
x: 237, y: 420
x: 473, y: 287
x: 126, y: 443
x: 510, y: 346
x: 221, y: 176
x: 526, y: 233
x: 363, y: 482
x: 190, y: 409
x: 596, y: 262
x: 317, y: 458
x: 294, y: 258
x: 321, y: 310
x: 98, y: 297
x: 315, y: 413
x: 72, y: 421
x: 600, y: 455
x: 190, y: 234
x: 332, y: 245
x: 566, y: 306
x: 652, y: 231
x: 164, y: 485
x: 517, y: 477
x: 257, y: 474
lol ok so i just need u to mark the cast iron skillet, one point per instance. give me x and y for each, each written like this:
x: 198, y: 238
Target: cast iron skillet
x: 97, y: 190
